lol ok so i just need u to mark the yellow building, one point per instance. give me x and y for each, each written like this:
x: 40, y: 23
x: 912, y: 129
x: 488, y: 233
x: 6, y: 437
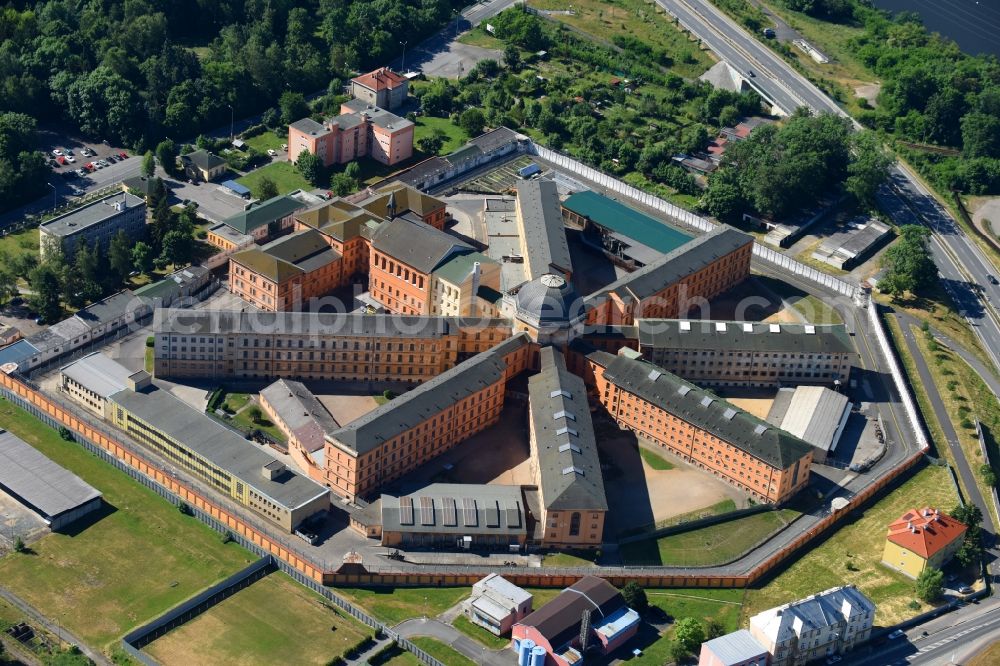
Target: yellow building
x: 922, y: 539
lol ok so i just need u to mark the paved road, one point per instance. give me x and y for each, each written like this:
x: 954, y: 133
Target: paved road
x: 952, y: 638
x: 451, y: 636
x: 64, y: 635
x: 961, y: 262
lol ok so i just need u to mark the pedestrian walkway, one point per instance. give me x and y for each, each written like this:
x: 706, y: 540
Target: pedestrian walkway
x: 52, y: 627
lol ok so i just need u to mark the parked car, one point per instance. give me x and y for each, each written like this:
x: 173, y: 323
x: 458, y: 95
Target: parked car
x: 899, y: 633
x: 123, y: 155
x: 769, y: 33
x: 70, y: 158
x: 284, y: 147
x: 61, y: 160
x: 68, y: 151
x: 81, y: 172
x: 90, y: 166
x: 57, y: 152
x: 965, y: 589
x: 992, y: 279
x: 272, y: 152
x: 111, y: 159
x: 102, y: 163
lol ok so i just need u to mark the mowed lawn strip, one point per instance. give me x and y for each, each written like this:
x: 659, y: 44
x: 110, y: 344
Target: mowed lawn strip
x: 392, y: 605
x: 477, y: 633
x: 858, y: 544
x: 138, y: 558
x: 273, y: 621
x: 446, y: 654
x: 655, y: 461
x: 284, y: 175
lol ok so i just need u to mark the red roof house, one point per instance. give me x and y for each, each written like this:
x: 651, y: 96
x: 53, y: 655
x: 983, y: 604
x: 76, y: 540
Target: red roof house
x: 922, y: 538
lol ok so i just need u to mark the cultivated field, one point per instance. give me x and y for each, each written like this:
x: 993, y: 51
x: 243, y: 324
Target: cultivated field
x: 852, y: 554
x: 135, y: 559
x: 274, y: 621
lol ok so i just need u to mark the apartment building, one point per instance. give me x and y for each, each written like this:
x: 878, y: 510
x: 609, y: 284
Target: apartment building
x: 820, y: 626
x: 677, y: 282
x: 404, y: 254
x: 564, y: 462
x: 540, y: 229
x: 222, y: 458
x: 769, y: 464
x: 381, y: 87
x: 361, y: 130
x: 749, y: 354
x: 94, y: 224
x: 399, y: 436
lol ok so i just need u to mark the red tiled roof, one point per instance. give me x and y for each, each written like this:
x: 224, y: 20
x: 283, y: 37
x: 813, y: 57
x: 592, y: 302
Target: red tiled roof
x: 718, y: 146
x: 380, y: 79
x: 925, y: 532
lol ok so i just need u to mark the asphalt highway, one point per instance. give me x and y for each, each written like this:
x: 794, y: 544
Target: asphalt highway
x: 964, y: 268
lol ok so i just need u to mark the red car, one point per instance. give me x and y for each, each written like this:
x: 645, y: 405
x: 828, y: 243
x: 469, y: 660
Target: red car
x: 123, y: 155
x: 89, y: 166
x: 61, y: 160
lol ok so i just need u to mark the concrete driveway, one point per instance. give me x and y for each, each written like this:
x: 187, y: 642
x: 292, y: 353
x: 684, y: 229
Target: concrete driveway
x: 457, y: 640
x: 215, y: 202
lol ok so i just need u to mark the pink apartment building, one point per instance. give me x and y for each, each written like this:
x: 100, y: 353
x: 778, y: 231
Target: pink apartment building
x: 361, y: 130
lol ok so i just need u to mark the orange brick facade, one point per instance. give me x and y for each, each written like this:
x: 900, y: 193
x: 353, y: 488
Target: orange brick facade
x: 699, y: 447
x: 400, y: 287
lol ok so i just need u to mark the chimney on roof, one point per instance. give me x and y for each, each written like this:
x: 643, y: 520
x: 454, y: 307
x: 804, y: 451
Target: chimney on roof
x: 390, y: 205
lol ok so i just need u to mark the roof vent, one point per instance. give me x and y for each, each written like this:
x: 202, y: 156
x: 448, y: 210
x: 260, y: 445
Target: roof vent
x: 567, y: 431
x: 706, y: 401
x: 760, y: 429
x: 569, y: 447
x: 561, y: 392
x: 810, y: 329
x: 563, y: 414
x: 720, y: 327
x: 774, y: 328
x: 684, y: 390
x: 748, y: 328
x: 685, y: 326
x: 654, y: 375
x: 572, y: 469
x: 729, y: 414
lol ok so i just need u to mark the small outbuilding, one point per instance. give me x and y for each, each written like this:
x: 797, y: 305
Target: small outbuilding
x: 53, y: 492
x: 496, y: 604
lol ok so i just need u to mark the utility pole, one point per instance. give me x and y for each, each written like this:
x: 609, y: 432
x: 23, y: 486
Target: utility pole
x: 231, y: 135
x: 404, y: 58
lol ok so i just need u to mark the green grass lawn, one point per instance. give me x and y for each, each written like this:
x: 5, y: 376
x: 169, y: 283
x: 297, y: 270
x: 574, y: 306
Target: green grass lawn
x: 245, y: 423
x: 398, y: 657
x: 704, y: 604
x: 284, y: 174
x: 234, y: 401
x: 454, y: 136
x: 392, y: 605
x: 567, y: 560
x: 715, y: 544
x: 814, y: 310
x: 274, y: 621
x: 148, y: 363
x: 135, y: 559
x: 446, y: 654
x: 22, y: 242
x: 655, y: 461
x: 268, y: 140
x: 477, y: 633
x: 479, y: 37
x: 858, y: 544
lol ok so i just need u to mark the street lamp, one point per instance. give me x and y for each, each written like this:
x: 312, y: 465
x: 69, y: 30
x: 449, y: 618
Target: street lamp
x: 53, y: 195
x: 231, y: 135
x: 404, y: 57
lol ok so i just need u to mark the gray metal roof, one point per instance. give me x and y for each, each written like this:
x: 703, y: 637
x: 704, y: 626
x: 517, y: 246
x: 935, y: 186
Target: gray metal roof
x: 417, y: 244
x: 91, y: 214
x: 309, y: 126
x: 111, y: 308
x: 301, y: 411
x: 179, y: 321
x: 703, y: 409
x: 680, y: 263
x: 828, y: 608
x: 427, y: 400
x: 542, y: 228
x: 568, y: 465
x: 218, y: 444
x: 457, y: 508
x: 683, y: 334
x: 814, y: 414
x: 39, y: 482
x: 99, y: 373
x: 549, y: 299
x: 494, y: 139
x: 737, y: 648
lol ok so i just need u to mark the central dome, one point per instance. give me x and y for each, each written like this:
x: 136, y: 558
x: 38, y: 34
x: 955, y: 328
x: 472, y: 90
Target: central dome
x: 549, y: 299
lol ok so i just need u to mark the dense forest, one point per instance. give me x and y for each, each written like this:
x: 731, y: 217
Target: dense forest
x: 134, y: 71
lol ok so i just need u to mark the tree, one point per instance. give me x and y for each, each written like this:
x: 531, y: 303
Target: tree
x: 909, y: 265
x: 353, y: 170
x: 869, y: 168
x: 930, y: 585
x: 19, y: 545
x: 472, y: 121
x: 176, y: 248
x: 981, y: 135
x: 310, y: 166
x: 82, y: 282
x: 689, y: 634
x: 635, y: 597
x: 46, y: 283
x: 512, y: 57
x: 723, y: 199
x: 713, y: 629
x: 142, y: 257
x: 265, y: 189
x: 120, y: 260
x: 293, y: 107
x: 430, y: 144
x: 255, y: 414
x: 341, y: 184
x: 166, y: 154
x: 8, y: 282
x: 988, y: 475
x: 148, y: 164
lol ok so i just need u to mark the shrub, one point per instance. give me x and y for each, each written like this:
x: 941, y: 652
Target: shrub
x: 227, y: 537
x: 19, y: 545
x: 185, y: 509
x: 150, y: 341
x: 65, y: 434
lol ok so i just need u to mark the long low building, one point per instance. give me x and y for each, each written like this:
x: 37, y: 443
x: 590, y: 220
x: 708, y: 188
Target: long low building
x: 564, y: 461
x: 677, y: 282
x: 749, y: 354
x: 303, y: 419
x: 312, y: 346
x: 53, y: 492
x: 406, y: 432
x: 222, y: 458
x: 541, y: 231
x: 815, y: 414
x: 766, y: 462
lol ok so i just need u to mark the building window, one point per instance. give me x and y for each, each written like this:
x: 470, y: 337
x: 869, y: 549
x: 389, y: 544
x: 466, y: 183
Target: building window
x: 574, y: 524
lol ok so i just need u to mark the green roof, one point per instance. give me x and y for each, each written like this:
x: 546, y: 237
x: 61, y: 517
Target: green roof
x: 456, y: 269
x: 618, y: 217
x: 267, y: 265
x: 263, y: 213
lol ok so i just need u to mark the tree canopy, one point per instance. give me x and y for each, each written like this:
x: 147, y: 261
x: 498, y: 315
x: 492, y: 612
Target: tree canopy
x: 908, y: 263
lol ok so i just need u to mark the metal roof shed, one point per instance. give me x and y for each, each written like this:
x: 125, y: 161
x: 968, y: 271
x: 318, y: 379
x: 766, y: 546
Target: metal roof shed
x: 241, y: 190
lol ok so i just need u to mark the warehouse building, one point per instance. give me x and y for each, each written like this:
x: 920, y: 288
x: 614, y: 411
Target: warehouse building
x: 768, y: 463
x: 747, y: 354
x: 814, y: 414
x: 564, y: 461
x: 53, y: 492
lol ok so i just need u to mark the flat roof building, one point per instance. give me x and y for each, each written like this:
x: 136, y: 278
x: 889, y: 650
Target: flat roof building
x: 95, y: 223
x: 53, y: 492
